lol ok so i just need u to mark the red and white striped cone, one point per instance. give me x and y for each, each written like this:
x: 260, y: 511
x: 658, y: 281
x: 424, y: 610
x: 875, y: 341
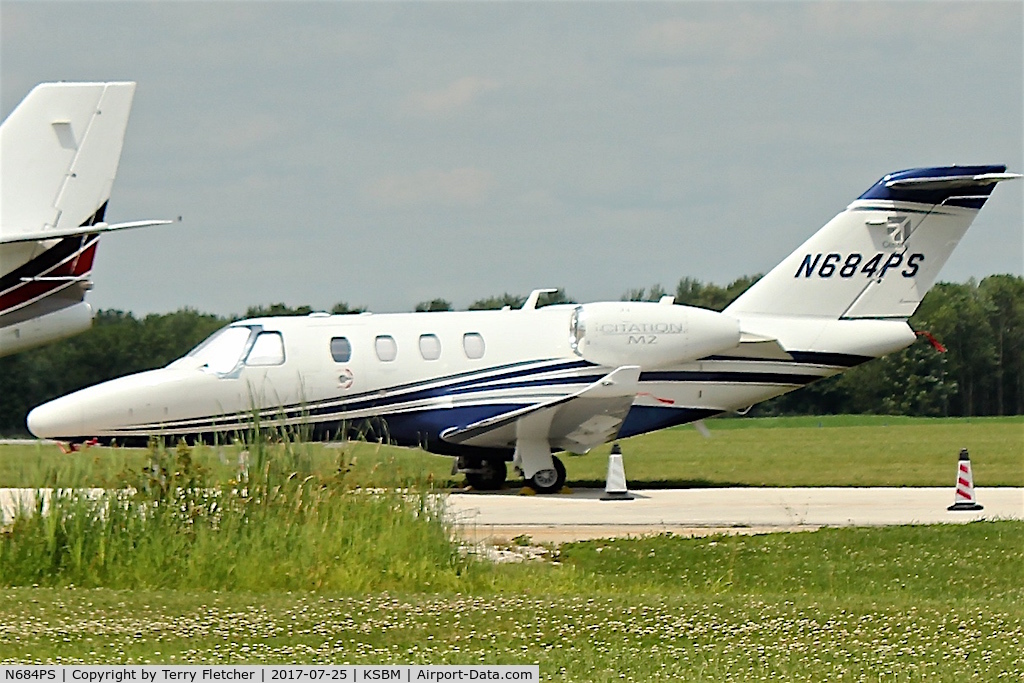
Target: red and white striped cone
x: 615, y: 485
x: 964, y: 499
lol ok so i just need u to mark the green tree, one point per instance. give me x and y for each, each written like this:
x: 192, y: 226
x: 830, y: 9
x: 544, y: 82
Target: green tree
x: 654, y: 294
x: 958, y: 316
x: 559, y: 296
x: 276, y: 309
x: 693, y: 292
x: 168, y: 336
x: 1005, y: 297
x: 342, y: 308
x: 914, y: 382
x: 433, y: 305
x: 493, y: 303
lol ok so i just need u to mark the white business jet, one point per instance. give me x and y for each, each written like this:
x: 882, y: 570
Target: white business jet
x: 492, y: 386
x: 59, y: 150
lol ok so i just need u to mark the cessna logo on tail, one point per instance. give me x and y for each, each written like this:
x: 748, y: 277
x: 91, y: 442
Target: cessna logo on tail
x: 898, y: 229
x: 827, y: 265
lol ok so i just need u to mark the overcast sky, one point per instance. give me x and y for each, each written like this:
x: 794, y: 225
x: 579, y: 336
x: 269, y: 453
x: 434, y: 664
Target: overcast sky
x: 384, y: 154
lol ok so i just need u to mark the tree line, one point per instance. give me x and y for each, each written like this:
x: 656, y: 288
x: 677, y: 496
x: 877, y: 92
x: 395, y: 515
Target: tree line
x: 979, y: 324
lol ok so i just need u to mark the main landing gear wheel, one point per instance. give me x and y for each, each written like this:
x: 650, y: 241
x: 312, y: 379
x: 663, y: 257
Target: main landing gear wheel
x: 490, y: 477
x: 548, y: 481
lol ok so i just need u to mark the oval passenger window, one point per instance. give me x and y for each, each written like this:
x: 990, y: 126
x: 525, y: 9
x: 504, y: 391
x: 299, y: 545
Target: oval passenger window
x: 387, y: 349
x: 430, y: 346
x: 473, y: 344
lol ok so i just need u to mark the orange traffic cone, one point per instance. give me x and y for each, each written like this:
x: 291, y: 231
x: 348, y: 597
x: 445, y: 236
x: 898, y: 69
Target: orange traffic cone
x: 964, y: 499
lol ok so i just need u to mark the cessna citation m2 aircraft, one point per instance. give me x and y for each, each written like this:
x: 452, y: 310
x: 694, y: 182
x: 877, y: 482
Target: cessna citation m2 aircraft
x: 492, y: 386
x: 59, y: 151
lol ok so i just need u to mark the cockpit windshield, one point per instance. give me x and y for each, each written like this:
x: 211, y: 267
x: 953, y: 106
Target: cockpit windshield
x: 222, y: 351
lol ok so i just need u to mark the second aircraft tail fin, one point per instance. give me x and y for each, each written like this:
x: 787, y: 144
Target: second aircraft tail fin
x: 60, y: 150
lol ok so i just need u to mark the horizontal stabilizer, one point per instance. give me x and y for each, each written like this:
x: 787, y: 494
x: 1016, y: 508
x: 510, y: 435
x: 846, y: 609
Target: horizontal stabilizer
x: 956, y: 181
x: 81, y: 230
x: 578, y: 422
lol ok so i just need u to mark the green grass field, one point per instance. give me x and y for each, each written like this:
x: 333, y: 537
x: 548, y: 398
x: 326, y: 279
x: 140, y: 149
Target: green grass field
x: 942, y: 603
x: 301, y: 572
x: 802, y: 451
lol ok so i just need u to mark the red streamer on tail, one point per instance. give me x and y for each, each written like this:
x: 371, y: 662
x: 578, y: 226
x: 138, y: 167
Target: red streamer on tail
x: 933, y: 341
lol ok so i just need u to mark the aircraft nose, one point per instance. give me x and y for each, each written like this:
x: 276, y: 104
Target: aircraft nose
x: 111, y: 407
x: 55, y: 419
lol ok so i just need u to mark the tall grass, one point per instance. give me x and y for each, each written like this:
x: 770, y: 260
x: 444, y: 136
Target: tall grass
x: 369, y: 464
x: 276, y: 526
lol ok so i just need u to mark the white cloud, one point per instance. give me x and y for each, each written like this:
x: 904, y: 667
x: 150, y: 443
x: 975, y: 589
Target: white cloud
x: 450, y: 99
x: 731, y: 37
x: 459, y: 186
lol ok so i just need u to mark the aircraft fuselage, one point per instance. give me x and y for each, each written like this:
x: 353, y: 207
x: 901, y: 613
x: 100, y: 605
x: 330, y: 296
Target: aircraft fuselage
x: 410, y: 377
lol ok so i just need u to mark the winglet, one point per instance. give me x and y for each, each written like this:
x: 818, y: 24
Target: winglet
x: 531, y: 301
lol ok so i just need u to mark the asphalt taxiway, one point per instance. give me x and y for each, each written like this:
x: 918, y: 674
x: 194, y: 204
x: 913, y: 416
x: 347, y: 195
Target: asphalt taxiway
x: 583, y: 515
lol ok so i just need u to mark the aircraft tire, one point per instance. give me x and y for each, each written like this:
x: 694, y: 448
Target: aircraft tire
x: 549, y: 481
x: 491, y: 478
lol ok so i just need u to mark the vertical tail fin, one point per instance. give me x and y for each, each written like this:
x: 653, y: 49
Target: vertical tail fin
x: 59, y: 151
x: 879, y: 257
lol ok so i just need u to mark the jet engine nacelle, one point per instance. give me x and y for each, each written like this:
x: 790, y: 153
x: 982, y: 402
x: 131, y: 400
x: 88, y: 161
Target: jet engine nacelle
x: 651, y: 335
x: 66, y: 322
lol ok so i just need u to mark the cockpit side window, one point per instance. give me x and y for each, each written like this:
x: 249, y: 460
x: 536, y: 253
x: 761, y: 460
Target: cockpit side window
x: 268, y: 349
x: 222, y: 350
